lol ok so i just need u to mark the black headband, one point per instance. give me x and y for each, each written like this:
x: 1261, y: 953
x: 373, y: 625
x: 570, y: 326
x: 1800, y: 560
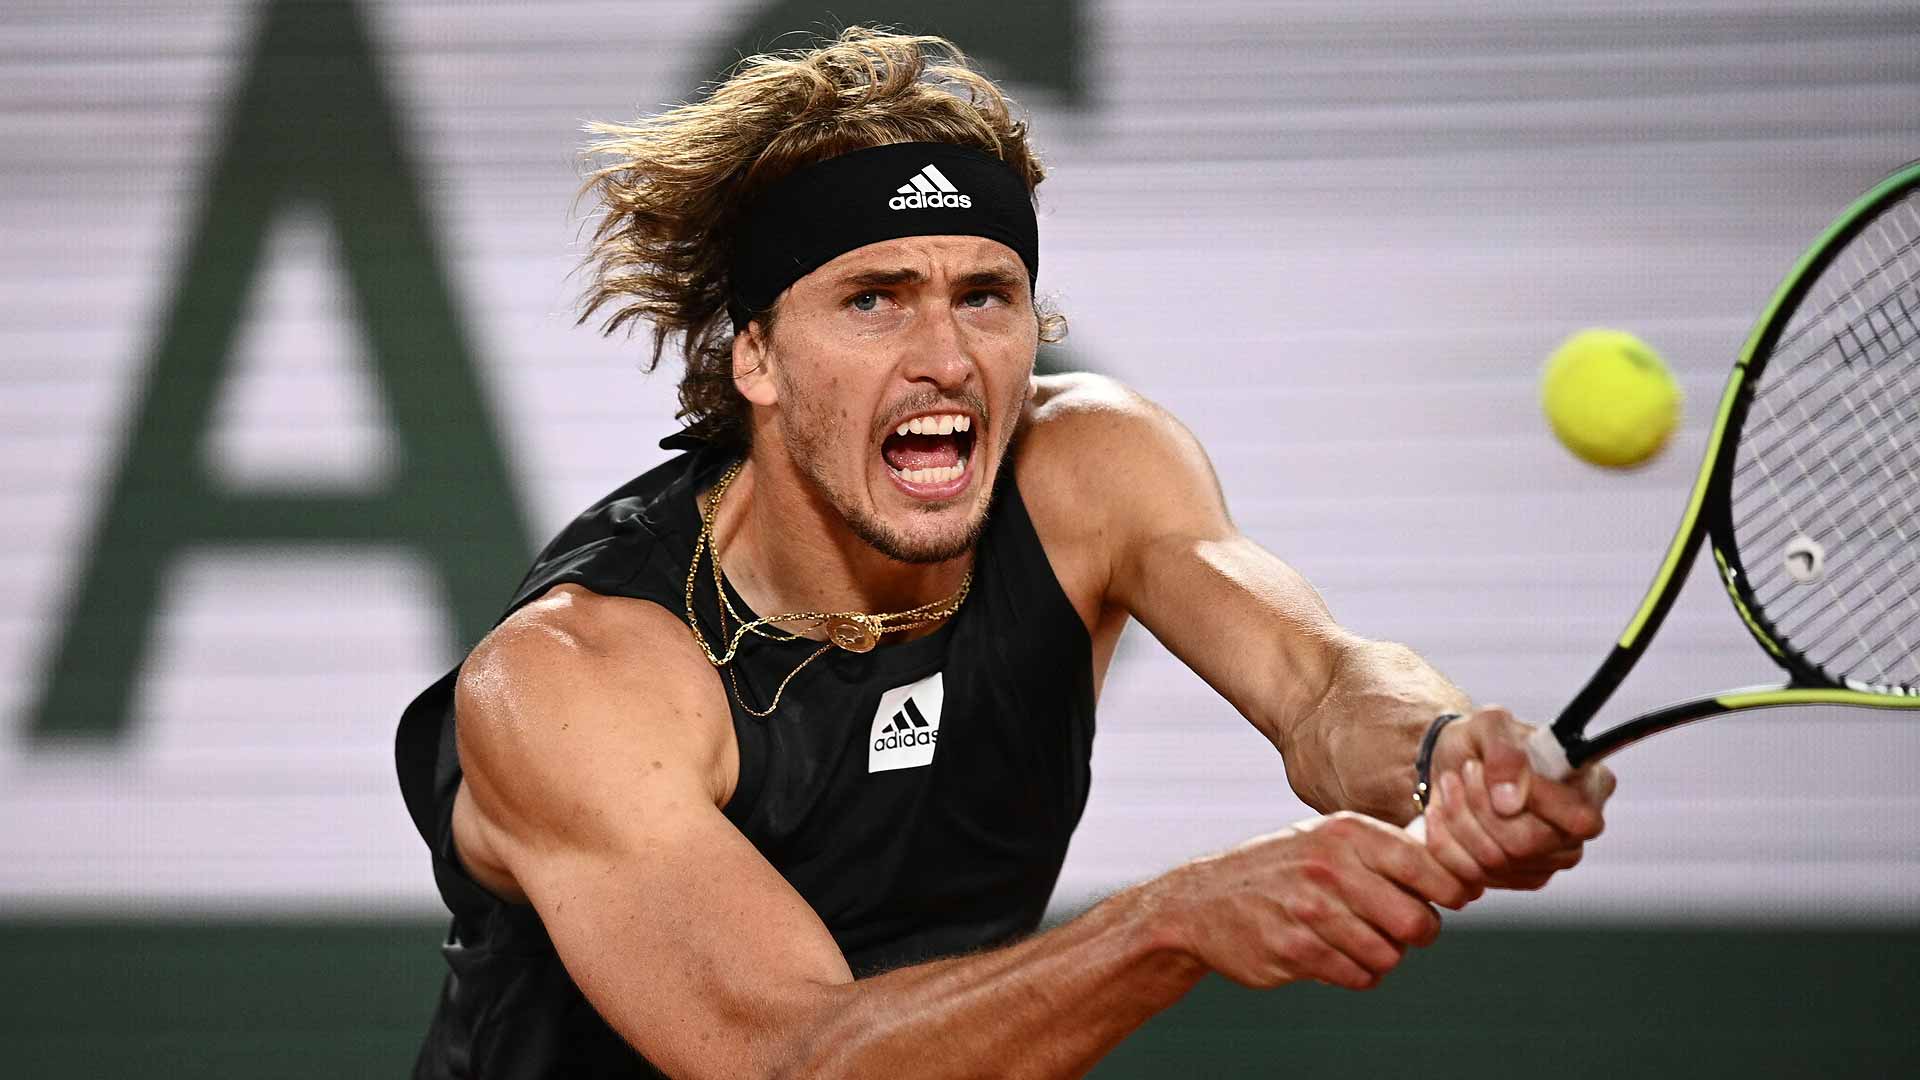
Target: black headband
x: 808, y: 219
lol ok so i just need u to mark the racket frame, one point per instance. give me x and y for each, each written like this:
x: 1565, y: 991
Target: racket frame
x: 1708, y: 517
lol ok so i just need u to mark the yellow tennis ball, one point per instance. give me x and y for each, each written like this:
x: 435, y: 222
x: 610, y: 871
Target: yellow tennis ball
x: 1610, y: 398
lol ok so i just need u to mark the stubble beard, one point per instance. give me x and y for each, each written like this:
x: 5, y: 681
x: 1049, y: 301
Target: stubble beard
x: 806, y: 441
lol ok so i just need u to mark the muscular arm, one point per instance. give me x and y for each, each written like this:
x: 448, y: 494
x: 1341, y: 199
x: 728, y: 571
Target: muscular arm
x: 598, y: 752
x: 1346, y: 713
x: 1141, y: 490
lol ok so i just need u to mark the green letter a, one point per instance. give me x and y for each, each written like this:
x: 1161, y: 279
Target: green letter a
x: 311, y: 124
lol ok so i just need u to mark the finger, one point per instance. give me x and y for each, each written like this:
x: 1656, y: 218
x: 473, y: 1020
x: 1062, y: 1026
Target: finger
x: 1447, y: 849
x: 1309, y: 956
x: 1552, y: 862
x: 1573, y: 806
x: 1497, y: 740
x: 1384, y: 904
x: 1356, y: 939
x: 1521, y: 837
x: 1527, y: 882
x: 1465, y: 828
x: 1544, y: 865
x: 1500, y: 744
x: 1392, y: 854
x: 1599, y: 782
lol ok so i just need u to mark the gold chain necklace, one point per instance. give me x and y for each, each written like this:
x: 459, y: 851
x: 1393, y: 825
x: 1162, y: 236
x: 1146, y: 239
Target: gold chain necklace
x: 854, y: 631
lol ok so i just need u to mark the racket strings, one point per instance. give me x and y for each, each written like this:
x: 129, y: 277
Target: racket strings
x: 1827, y: 434
x: 1898, y: 336
x: 1820, y: 428
x: 1831, y: 453
x: 1890, y: 340
x: 1837, y: 605
x: 1866, y: 350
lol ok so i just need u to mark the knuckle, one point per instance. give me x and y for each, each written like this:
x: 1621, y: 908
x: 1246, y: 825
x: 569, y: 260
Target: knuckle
x: 1536, y: 835
x: 1303, y: 947
x: 1585, y: 824
x: 1380, y: 957
x: 1413, y: 927
x: 1493, y: 713
x: 1470, y: 872
x: 1400, y: 862
x: 1431, y: 921
x: 1344, y: 825
x: 1347, y: 976
x: 1320, y: 871
x: 1306, y: 907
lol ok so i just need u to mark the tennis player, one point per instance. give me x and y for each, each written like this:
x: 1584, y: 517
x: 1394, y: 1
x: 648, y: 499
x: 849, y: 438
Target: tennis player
x: 771, y: 766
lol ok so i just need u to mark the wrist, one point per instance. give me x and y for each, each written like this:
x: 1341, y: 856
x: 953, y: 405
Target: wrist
x: 1159, y: 924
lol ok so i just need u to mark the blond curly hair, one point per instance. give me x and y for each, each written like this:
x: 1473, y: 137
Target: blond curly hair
x: 671, y: 188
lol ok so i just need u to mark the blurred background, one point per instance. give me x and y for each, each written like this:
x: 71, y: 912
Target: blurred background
x: 290, y: 388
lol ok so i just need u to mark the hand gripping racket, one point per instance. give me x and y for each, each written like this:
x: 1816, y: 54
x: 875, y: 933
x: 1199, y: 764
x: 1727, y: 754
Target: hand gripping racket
x: 1809, y: 492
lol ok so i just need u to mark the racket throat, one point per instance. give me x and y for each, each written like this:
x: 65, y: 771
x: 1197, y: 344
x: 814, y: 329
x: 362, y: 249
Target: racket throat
x: 1572, y: 722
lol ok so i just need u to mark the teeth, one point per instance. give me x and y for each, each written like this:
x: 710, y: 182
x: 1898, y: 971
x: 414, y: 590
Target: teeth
x: 945, y: 424
x: 944, y: 475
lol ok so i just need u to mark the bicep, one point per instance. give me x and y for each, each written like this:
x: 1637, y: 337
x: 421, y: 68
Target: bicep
x: 597, y: 798
x: 683, y: 937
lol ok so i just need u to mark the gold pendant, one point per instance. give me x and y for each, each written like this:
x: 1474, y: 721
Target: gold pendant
x: 854, y: 633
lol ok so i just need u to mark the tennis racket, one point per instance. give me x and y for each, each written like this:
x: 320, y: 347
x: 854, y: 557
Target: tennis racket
x: 1809, y: 493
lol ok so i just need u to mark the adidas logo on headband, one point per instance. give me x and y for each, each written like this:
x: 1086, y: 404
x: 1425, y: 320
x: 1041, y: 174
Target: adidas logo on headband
x: 929, y: 189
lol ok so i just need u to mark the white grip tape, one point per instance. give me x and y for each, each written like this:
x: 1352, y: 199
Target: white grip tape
x: 1549, y: 758
x: 1544, y: 752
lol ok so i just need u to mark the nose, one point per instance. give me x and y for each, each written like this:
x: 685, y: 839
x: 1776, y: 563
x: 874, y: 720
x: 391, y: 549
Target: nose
x: 937, y: 354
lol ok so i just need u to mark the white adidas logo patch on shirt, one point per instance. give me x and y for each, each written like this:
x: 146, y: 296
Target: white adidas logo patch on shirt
x: 906, y: 726
x: 929, y: 189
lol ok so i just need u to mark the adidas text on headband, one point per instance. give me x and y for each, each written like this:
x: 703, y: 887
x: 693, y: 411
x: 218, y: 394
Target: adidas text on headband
x: 808, y: 219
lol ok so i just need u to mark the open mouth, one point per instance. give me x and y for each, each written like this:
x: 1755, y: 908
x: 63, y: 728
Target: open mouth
x: 930, y: 454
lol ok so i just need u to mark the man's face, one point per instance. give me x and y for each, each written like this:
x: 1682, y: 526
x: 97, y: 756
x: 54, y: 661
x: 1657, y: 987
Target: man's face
x: 934, y: 334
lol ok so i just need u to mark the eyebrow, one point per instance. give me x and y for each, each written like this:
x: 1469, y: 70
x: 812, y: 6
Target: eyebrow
x: 989, y: 278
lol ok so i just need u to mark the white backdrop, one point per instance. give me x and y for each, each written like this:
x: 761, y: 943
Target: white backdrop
x: 1335, y: 238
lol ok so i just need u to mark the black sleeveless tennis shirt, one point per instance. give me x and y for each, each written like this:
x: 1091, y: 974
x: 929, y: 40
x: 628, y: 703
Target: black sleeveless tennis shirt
x: 919, y: 797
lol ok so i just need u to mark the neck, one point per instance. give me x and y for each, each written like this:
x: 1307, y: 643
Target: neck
x: 785, y: 548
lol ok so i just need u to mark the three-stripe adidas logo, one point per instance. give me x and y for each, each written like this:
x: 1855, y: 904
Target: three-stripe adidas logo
x: 906, y: 726
x: 907, y: 723
x: 929, y: 189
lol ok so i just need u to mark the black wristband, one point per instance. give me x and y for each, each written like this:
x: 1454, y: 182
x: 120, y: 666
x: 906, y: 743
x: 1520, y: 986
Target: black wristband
x: 1423, y: 761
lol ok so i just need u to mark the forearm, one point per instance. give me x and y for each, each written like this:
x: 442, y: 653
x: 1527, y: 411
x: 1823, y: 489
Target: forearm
x: 1049, y: 1006
x: 1354, y: 749
x: 1245, y: 621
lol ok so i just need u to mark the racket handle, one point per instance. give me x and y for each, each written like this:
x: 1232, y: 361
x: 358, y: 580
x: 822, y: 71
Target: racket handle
x: 1549, y: 758
x: 1544, y: 753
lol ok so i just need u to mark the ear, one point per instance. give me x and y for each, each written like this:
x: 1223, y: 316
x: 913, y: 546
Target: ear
x: 751, y: 355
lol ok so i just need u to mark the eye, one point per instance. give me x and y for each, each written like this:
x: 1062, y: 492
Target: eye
x: 979, y: 298
x: 866, y: 301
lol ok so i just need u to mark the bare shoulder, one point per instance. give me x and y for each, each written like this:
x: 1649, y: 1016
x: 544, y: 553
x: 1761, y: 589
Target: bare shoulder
x: 576, y: 688
x: 1093, y: 442
x: 1104, y: 473
x: 1063, y: 403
